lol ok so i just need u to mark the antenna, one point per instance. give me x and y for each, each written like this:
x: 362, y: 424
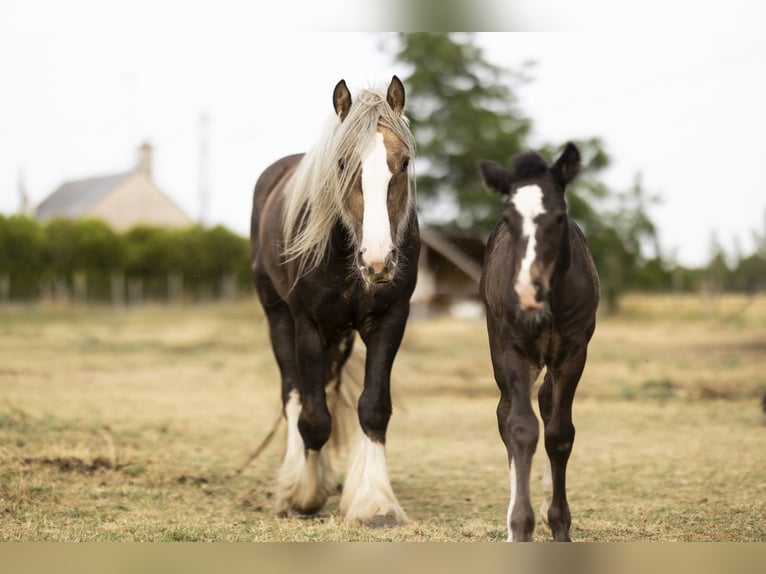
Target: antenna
x: 203, y: 183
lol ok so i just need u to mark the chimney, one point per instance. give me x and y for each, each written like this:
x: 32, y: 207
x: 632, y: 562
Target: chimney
x: 144, y: 164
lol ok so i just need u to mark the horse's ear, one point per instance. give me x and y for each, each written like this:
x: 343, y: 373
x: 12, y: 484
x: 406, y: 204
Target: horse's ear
x: 395, y: 95
x: 341, y: 99
x: 568, y: 165
x: 494, y: 177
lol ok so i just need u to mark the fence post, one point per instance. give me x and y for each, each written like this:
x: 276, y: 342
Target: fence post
x: 80, y: 286
x: 135, y: 291
x: 117, y: 280
x: 5, y: 288
x: 175, y: 288
x: 229, y: 287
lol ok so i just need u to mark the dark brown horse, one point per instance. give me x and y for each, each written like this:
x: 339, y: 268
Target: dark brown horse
x: 335, y: 247
x: 541, y: 292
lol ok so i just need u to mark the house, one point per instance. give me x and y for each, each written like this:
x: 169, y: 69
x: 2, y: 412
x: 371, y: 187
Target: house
x: 449, y: 271
x: 123, y: 200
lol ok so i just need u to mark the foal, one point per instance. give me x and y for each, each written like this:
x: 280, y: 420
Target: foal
x: 541, y: 292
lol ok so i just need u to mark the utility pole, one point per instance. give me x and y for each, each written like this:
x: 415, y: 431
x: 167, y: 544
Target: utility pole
x: 203, y: 183
x: 24, y: 207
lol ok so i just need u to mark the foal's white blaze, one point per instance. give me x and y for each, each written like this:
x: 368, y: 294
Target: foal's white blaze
x: 528, y: 201
x: 376, y: 229
x: 367, y: 492
x: 511, y: 504
x: 305, y: 478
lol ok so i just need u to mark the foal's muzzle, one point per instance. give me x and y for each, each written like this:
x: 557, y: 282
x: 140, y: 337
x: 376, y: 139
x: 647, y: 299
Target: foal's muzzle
x: 377, y: 272
x: 531, y: 295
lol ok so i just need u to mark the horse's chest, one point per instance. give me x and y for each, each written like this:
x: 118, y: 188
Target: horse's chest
x: 537, y: 347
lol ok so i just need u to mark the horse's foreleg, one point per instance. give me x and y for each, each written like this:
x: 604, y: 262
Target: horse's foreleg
x: 555, y: 399
x: 367, y: 494
x: 305, y: 478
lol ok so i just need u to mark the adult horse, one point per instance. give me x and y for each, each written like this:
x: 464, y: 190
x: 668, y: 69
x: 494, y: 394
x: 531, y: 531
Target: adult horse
x: 335, y: 247
x: 541, y: 292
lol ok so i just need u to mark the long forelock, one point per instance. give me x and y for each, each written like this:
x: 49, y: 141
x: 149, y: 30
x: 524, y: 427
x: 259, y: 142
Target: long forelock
x: 315, y: 195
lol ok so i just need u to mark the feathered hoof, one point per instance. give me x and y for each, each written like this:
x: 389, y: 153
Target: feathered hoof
x: 288, y: 507
x: 388, y: 520
x: 294, y: 513
x: 378, y: 518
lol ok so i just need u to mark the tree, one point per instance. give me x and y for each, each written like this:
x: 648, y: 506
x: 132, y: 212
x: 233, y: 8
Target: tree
x: 22, y: 255
x: 462, y: 109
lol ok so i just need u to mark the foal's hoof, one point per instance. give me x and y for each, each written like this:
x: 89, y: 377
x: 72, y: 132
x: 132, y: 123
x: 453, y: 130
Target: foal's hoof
x: 388, y: 520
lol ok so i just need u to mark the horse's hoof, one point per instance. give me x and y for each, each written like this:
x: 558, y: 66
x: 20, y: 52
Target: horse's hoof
x: 293, y: 513
x: 388, y: 520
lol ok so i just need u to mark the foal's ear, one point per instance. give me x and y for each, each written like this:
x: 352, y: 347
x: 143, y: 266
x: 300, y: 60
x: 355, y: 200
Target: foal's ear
x: 568, y: 165
x: 341, y: 99
x: 494, y: 177
x: 395, y: 95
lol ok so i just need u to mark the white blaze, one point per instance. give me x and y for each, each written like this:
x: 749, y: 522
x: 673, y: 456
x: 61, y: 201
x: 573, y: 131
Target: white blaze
x: 528, y: 201
x: 376, y: 230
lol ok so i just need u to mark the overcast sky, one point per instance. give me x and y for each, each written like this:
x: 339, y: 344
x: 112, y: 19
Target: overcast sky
x: 84, y: 83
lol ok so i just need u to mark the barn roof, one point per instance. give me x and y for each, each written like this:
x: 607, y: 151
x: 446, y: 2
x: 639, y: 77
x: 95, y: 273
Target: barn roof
x: 450, y: 247
x: 74, y: 198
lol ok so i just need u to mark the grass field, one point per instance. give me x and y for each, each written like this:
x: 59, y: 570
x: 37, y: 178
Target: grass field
x: 131, y: 425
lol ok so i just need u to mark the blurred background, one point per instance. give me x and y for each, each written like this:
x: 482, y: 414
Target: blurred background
x: 133, y: 134
x: 136, y: 375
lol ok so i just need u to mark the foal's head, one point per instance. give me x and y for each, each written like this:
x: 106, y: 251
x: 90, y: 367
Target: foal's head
x: 374, y: 174
x: 535, y: 212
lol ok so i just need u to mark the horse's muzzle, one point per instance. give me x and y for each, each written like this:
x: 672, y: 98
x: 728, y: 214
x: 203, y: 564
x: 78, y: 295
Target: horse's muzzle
x: 377, y: 272
x: 531, y: 296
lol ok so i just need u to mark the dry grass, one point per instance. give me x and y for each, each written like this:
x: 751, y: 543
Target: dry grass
x: 131, y: 425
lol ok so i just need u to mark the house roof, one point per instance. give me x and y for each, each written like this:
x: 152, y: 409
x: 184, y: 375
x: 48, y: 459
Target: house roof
x: 74, y: 198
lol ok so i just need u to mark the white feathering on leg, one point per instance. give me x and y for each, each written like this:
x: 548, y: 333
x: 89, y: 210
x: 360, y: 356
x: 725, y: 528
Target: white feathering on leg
x: 367, y: 494
x: 305, y: 479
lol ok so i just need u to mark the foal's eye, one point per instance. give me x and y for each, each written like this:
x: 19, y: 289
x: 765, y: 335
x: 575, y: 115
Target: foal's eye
x: 562, y: 217
x: 341, y: 164
x: 405, y: 164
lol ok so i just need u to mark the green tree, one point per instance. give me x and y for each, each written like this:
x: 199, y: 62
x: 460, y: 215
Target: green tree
x: 461, y: 110
x: 22, y: 255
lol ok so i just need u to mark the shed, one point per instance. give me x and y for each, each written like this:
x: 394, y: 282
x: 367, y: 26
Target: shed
x: 449, y: 272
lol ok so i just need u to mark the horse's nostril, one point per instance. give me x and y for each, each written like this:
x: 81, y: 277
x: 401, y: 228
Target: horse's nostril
x: 538, y: 285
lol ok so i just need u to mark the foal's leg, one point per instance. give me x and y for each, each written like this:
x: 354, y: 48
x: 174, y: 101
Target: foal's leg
x: 519, y: 430
x: 367, y: 494
x: 555, y: 398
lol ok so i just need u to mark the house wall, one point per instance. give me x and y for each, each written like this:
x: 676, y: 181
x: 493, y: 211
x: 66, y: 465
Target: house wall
x: 137, y: 201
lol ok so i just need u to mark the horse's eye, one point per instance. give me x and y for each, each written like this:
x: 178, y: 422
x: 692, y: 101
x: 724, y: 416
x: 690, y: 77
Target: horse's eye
x: 562, y: 217
x: 405, y: 164
x: 341, y: 164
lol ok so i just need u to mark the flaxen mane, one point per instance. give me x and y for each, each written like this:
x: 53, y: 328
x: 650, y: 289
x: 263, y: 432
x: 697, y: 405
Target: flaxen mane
x: 316, y: 192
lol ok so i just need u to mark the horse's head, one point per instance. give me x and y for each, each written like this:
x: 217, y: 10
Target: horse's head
x: 374, y: 174
x: 535, y: 212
